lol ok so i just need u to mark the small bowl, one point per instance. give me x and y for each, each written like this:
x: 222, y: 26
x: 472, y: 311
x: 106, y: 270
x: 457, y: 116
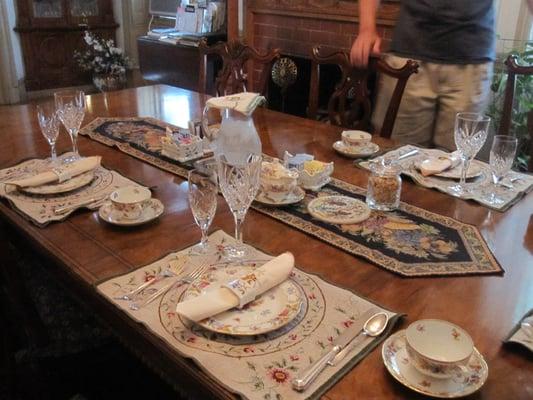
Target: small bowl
x: 438, y: 348
x: 277, y: 181
x: 356, y: 138
x: 316, y: 179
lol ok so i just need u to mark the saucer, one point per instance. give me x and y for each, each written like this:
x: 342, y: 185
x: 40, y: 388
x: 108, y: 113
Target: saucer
x: 356, y: 151
x: 153, y: 210
x: 338, y: 209
x: 395, y: 357
x: 297, y: 195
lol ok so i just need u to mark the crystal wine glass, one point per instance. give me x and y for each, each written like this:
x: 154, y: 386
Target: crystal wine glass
x: 239, y: 184
x: 502, y: 154
x: 70, y: 106
x: 470, y: 133
x: 49, y: 124
x: 203, y: 191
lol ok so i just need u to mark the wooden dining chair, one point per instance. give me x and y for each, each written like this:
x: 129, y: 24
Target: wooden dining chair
x: 232, y: 78
x: 350, y: 105
x: 513, y: 69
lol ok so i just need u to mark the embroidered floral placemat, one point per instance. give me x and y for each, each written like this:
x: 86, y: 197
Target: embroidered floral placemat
x: 516, y: 184
x: 39, y: 209
x: 261, y: 366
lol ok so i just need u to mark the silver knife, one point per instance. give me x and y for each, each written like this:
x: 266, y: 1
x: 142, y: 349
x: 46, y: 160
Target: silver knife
x: 304, y: 379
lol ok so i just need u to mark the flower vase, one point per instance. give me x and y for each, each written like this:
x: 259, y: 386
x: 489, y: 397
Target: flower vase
x: 109, y: 82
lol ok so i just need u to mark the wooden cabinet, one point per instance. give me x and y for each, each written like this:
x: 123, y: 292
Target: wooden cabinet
x: 51, y: 30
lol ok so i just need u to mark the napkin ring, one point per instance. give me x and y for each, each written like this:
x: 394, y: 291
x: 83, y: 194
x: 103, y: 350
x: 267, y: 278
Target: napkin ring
x: 63, y: 174
x: 245, y: 288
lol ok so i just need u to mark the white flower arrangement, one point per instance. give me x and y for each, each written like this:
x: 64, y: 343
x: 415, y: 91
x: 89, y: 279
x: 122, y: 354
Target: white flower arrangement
x: 102, y: 57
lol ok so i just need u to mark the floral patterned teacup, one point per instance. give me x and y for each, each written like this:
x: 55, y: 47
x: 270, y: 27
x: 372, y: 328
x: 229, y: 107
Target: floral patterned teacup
x: 356, y: 138
x: 438, y: 348
x: 128, y: 202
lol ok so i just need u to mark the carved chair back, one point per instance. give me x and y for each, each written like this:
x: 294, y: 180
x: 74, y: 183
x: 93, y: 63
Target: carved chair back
x: 350, y: 105
x: 235, y: 55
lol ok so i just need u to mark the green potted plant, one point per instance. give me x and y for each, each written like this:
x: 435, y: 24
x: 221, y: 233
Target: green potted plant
x: 105, y: 61
x: 523, y: 103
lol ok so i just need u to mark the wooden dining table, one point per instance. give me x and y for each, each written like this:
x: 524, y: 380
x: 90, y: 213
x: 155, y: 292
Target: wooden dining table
x: 85, y: 250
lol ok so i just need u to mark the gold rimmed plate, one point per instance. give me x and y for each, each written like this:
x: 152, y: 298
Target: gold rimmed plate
x: 74, y: 183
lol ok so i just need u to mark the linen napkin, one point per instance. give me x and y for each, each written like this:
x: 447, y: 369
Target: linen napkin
x: 59, y: 174
x: 238, y: 292
x: 435, y: 165
x: 245, y: 102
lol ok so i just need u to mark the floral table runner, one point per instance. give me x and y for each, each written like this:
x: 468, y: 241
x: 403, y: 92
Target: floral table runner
x: 261, y: 366
x: 410, y: 242
x: 39, y: 209
x: 517, y: 185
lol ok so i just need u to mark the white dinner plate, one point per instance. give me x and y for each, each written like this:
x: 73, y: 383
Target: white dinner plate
x: 338, y: 209
x: 466, y: 382
x: 271, y: 311
x: 56, y: 188
x: 150, y: 212
x: 355, y: 151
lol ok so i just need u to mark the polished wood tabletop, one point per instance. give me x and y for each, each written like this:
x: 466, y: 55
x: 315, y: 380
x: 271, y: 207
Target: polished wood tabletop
x: 86, y: 250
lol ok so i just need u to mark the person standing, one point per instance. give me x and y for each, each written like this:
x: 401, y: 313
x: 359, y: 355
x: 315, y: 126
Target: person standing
x: 454, y: 43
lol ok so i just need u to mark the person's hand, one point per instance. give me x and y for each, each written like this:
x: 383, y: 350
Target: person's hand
x: 368, y: 41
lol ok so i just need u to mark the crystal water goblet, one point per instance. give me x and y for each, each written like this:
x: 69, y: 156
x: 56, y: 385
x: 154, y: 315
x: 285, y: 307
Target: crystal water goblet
x: 239, y: 184
x: 70, y: 106
x: 470, y: 133
x: 502, y: 155
x: 49, y: 124
x: 203, y: 192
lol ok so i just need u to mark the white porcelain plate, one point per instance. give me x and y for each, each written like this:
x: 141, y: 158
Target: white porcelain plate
x: 55, y: 188
x: 475, y: 169
x: 355, y: 151
x: 269, y: 312
x: 298, y: 194
x: 153, y: 210
x: 338, y: 209
x: 398, y: 364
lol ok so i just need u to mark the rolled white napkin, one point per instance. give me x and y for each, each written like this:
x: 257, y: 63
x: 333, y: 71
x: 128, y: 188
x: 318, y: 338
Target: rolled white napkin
x: 59, y: 174
x: 436, y: 165
x: 239, y: 292
x: 245, y: 102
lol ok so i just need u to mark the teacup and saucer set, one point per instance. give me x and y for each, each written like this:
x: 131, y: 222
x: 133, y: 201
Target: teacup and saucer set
x: 130, y: 206
x: 435, y: 358
x: 356, y: 144
x: 279, y: 185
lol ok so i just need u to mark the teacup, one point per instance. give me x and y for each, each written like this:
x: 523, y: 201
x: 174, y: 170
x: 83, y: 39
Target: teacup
x: 356, y: 138
x: 128, y: 202
x: 438, y: 348
x: 277, y: 181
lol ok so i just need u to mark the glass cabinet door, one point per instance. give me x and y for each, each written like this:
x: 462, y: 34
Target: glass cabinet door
x: 47, y: 8
x: 84, y: 8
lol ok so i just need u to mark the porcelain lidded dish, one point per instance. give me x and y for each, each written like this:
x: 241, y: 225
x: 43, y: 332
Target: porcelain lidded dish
x: 315, y: 174
x: 276, y: 180
x: 181, y: 146
x: 438, y: 348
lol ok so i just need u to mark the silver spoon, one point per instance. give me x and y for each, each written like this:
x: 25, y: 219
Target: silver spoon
x: 374, y: 326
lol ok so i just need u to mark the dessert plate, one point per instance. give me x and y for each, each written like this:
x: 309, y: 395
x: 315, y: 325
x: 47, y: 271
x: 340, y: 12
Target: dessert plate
x: 395, y: 357
x: 355, y: 151
x: 297, y: 195
x: 475, y: 169
x: 338, y: 209
x: 63, y: 187
x: 272, y: 310
x: 150, y: 212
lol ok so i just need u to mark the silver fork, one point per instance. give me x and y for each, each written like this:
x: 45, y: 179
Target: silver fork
x: 187, y: 278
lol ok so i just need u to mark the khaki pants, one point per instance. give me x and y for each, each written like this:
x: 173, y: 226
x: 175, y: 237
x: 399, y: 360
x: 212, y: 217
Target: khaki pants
x: 431, y: 99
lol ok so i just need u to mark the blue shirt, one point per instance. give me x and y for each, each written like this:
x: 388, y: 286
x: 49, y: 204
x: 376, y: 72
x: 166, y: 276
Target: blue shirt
x: 445, y: 31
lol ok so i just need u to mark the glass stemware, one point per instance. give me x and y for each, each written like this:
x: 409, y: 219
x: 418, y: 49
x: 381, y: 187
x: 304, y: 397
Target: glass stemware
x: 470, y: 133
x: 70, y: 106
x: 203, y: 192
x: 49, y: 124
x: 502, y: 154
x: 239, y: 185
